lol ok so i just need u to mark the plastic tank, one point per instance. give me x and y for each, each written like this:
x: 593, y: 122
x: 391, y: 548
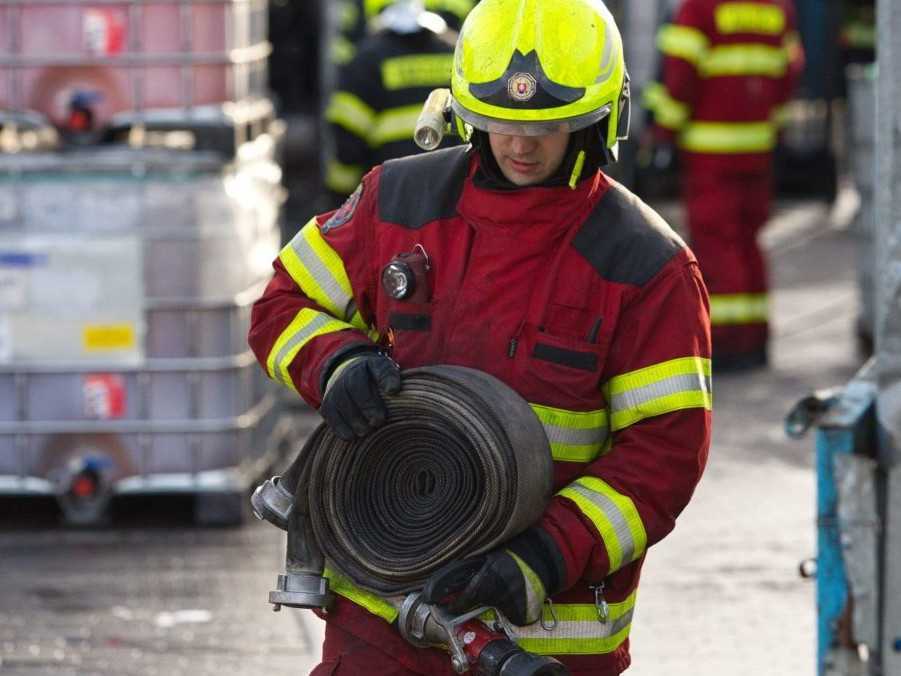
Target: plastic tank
x: 130, y: 55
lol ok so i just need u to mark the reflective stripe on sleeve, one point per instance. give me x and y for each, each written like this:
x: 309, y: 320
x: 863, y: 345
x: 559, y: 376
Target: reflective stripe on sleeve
x: 668, y: 112
x: 729, y: 137
x: 376, y: 605
x: 351, y: 112
x: 661, y: 388
x: 749, y: 17
x: 342, y: 178
x: 574, y: 436
x: 305, y: 326
x: 394, y: 124
x: 745, y: 59
x: 683, y: 42
x: 417, y: 70
x: 578, y: 630
x: 739, y: 308
x: 614, y: 516
x: 317, y: 269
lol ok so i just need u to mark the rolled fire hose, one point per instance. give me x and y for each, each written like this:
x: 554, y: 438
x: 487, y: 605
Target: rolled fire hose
x: 462, y: 465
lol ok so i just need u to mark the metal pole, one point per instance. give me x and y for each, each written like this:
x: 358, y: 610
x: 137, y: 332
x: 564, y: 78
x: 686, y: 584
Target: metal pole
x: 888, y: 318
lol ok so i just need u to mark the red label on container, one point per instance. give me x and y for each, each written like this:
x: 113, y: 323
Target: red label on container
x: 104, y: 396
x: 103, y: 31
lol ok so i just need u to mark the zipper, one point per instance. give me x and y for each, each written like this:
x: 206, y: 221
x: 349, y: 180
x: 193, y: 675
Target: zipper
x: 511, y: 349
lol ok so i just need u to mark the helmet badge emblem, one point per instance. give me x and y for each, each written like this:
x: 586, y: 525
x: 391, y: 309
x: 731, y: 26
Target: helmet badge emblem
x: 521, y: 86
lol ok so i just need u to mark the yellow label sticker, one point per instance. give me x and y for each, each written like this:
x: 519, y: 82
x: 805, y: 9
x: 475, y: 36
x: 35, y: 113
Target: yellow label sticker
x: 108, y: 337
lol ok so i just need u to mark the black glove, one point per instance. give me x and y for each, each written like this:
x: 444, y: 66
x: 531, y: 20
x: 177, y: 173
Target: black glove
x: 515, y: 579
x: 353, y: 403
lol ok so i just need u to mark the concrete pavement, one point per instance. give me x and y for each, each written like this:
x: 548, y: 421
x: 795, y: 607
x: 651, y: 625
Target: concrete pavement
x: 722, y: 595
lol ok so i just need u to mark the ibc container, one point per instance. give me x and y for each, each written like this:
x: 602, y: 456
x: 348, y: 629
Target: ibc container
x: 126, y: 281
x: 130, y: 55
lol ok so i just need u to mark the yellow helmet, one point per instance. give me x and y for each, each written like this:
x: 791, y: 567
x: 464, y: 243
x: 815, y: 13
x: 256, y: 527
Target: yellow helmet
x: 533, y: 67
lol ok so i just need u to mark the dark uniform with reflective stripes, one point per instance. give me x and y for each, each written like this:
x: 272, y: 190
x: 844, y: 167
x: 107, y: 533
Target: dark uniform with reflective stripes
x: 583, y: 301
x: 352, y: 16
x: 378, y: 99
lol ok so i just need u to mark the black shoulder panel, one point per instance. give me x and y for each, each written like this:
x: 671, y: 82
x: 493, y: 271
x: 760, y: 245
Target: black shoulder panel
x: 422, y: 188
x: 625, y: 240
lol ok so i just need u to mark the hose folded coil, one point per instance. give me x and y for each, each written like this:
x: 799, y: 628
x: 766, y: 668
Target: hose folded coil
x: 462, y: 465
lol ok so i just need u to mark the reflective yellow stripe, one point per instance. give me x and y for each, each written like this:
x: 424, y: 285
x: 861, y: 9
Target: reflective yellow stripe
x: 683, y: 42
x: 731, y: 60
x: 574, y: 436
x: 305, y: 326
x: 417, y: 70
x: 348, y: 15
x: 342, y: 50
x: 317, y: 269
x: 729, y: 137
x: 578, y: 630
x: 395, y: 124
x: 749, y: 17
x: 342, y: 178
x: 662, y: 388
x: 739, y: 308
x: 351, y: 112
x: 376, y: 605
x: 668, y: 112
x: 614, y: 516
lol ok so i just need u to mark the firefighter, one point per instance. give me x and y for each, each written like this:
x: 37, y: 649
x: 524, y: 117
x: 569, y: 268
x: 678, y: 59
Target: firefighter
x: 728, y: 70
x: 379, y: 94
x: 544, y: 273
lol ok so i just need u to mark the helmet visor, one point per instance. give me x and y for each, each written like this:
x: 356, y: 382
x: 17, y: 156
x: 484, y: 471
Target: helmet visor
x: 529, y: 127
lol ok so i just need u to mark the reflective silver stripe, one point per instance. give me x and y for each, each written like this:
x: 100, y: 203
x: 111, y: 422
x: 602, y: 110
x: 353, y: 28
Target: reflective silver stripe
x: 572, y: 436
x: 574, y: 629
x: 319, y: 321
x: 341, y: 302
x: 614, y: 515
x: 673, y: 385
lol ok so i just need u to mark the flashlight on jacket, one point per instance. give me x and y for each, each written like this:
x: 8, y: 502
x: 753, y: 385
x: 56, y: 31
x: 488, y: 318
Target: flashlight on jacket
x: 405, y: 276
x: 434, y: 120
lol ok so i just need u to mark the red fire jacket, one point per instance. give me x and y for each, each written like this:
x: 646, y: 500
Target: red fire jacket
x: 584, y: 301
x: 728, y: 70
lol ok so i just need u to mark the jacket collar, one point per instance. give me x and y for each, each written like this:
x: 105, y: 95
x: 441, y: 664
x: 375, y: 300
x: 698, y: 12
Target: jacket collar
x: 539, y: 212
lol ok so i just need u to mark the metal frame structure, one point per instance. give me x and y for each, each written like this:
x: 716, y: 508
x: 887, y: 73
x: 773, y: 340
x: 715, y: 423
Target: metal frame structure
x: 888, y: 322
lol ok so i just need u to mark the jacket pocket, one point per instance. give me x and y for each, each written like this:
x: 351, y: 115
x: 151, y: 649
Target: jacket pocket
x: 561, y: 370
x: 413, y: 337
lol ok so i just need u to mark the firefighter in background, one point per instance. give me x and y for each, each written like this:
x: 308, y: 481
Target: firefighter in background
x: 544, y: 273
x: 373, y: 110
x: 728, y: 70
x: 353, y: 17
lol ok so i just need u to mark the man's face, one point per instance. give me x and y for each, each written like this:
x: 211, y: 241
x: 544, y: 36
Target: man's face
x: 527, y: 160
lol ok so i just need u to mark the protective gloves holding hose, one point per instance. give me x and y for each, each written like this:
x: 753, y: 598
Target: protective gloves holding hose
x: 516, y: 578
x: 353, y: 403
